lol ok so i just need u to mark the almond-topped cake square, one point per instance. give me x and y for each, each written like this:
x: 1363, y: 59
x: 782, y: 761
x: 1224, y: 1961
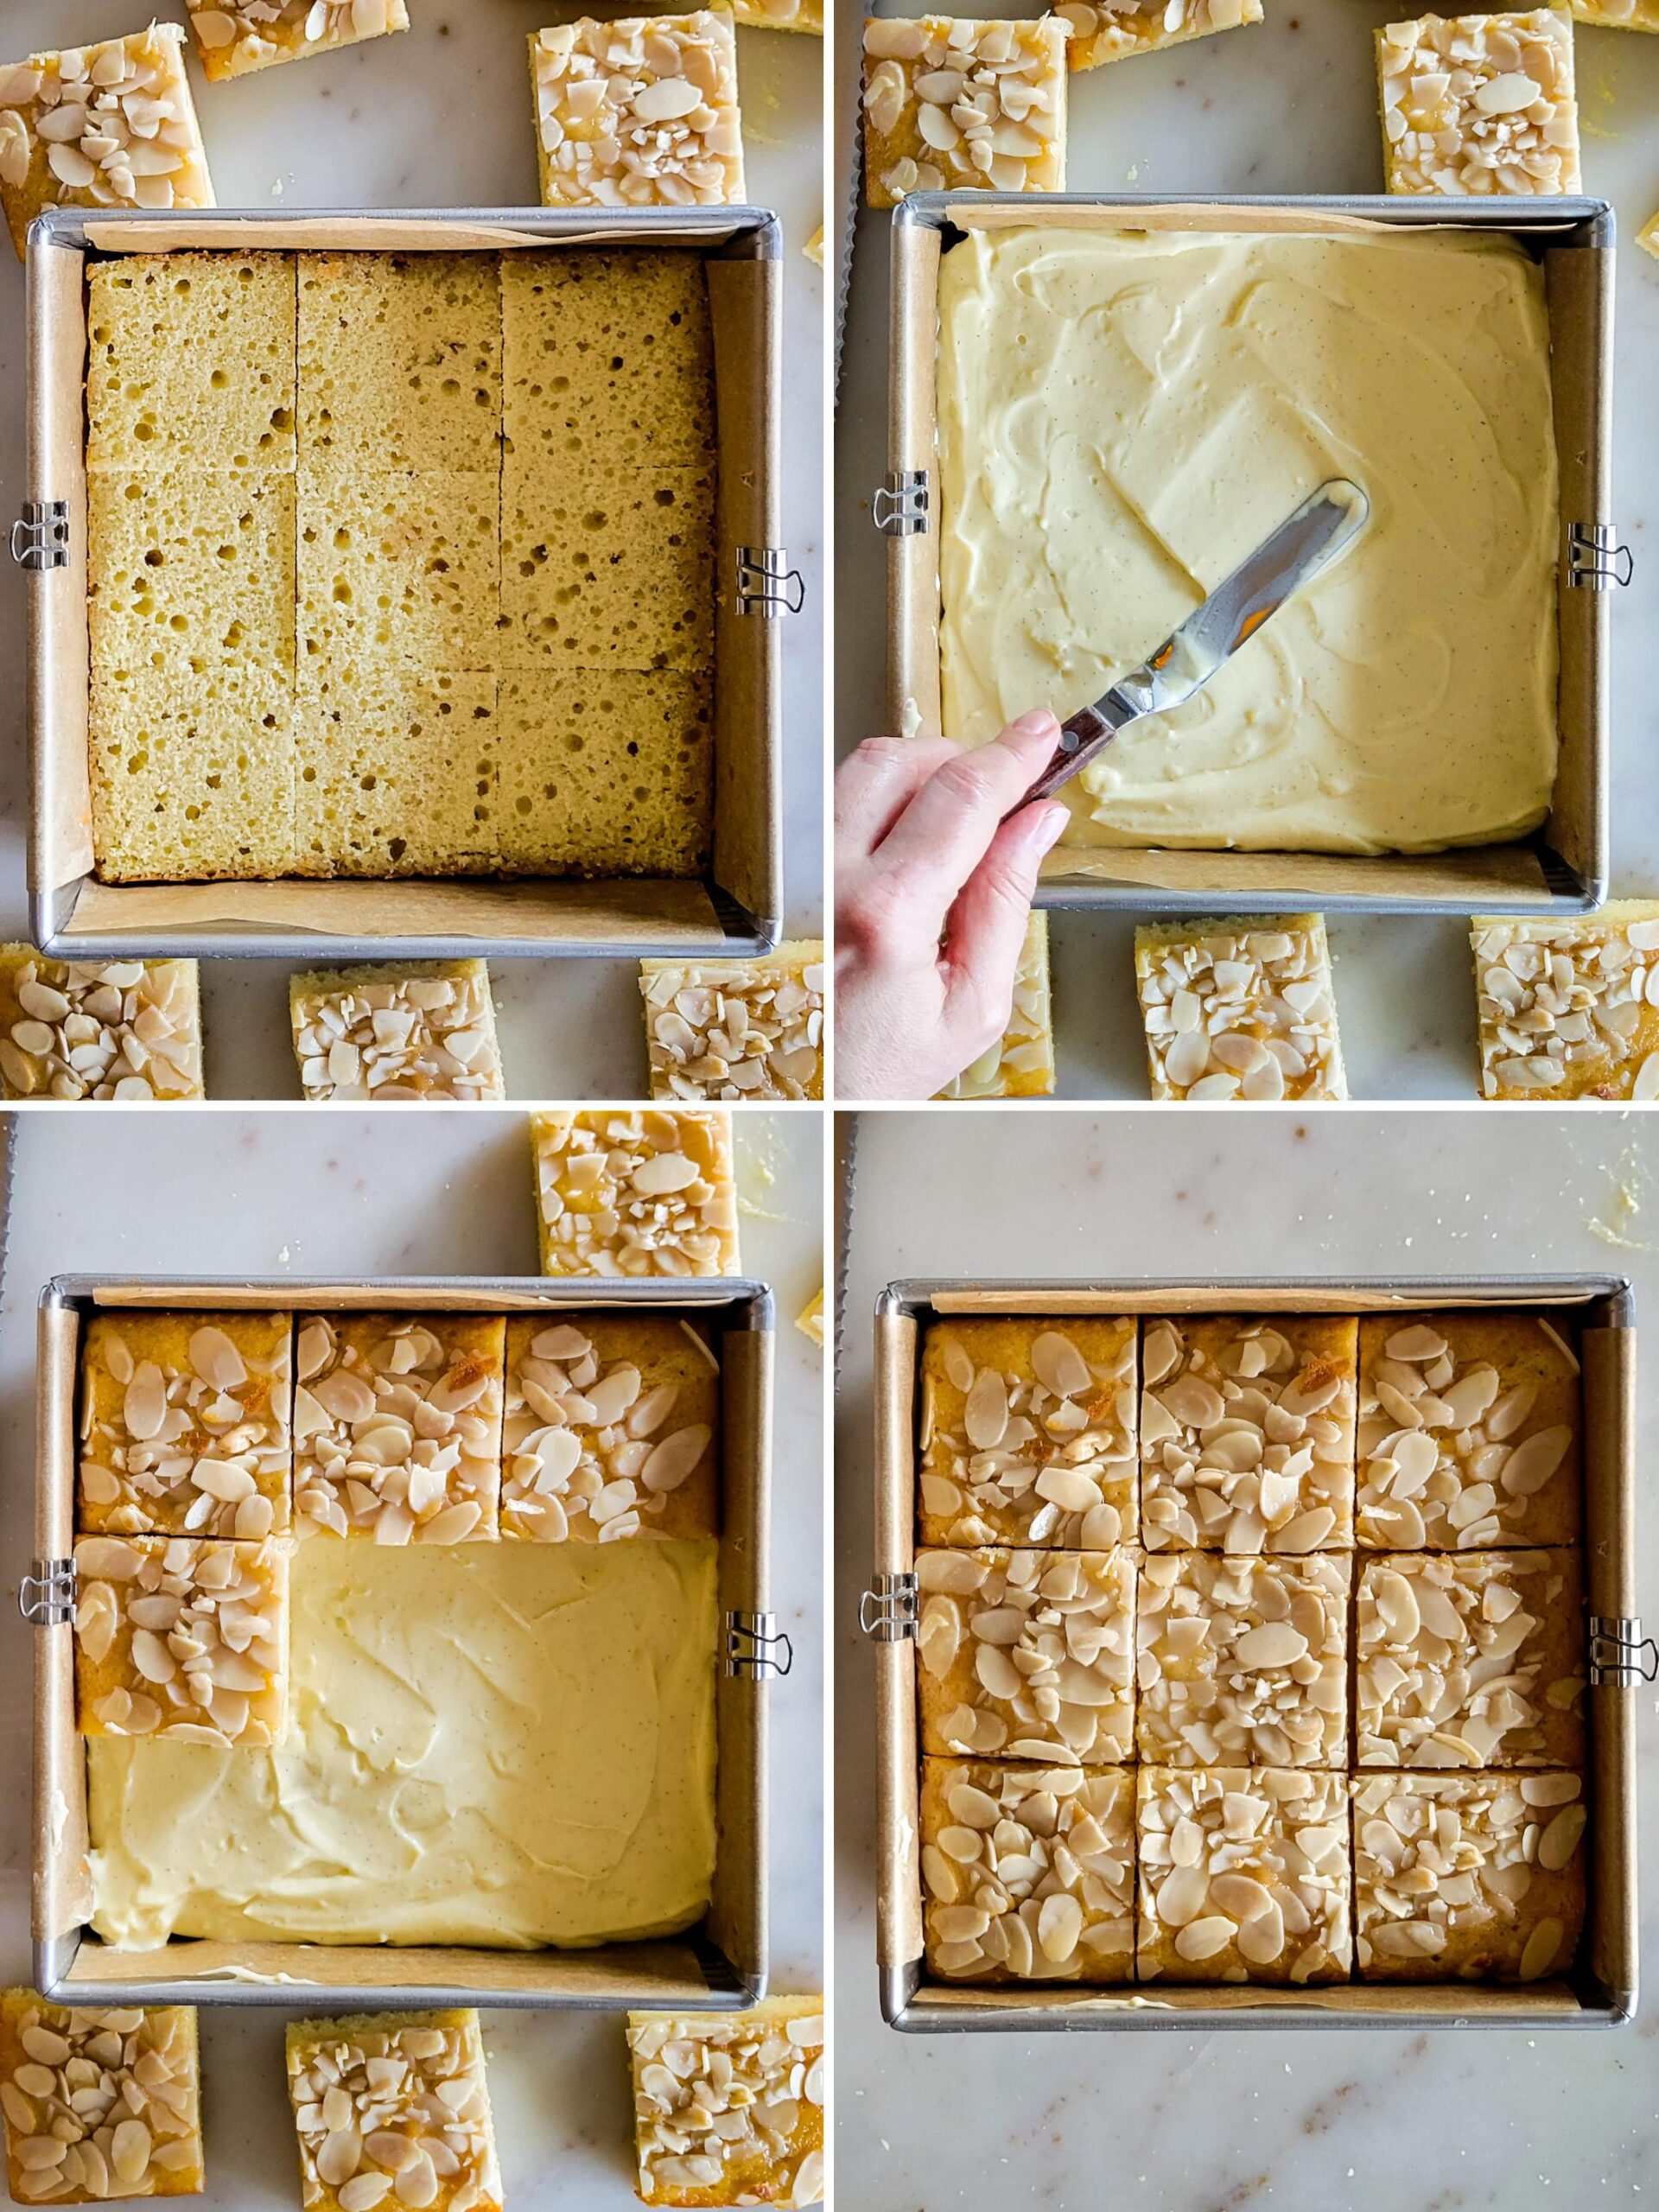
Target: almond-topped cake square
x: 1471, y: 1660
x: 1028, y: 1431
x: 611, y: 1429
x: 1240, y: 1009
x: 110, y: 125
x: 728, y: 2107
x: 235, y: 36
x: 1468, y: 1876
x: 1244, y: 1876
x: 1243, y: 1661
x: 640, y: 111
x: 397, y: 1426
x: 1480, y: 104
x: 1021, y: 1064
x: 1098, y: 32
x: 388, y: 1031
x: 619, y: 1192
x: 1468, y: 1432
x: 750, y: 1029
x: 1565, y: 1006
x: 950, y: 102
x: 182, y: 1639
x: 393, y: 2109
x: 1247, y: 1433
x: 1028, y: 1872
x: 125, y: 1029
x: 1028, y: 1655
x: 185, y: 1424
x: 101, y: 2102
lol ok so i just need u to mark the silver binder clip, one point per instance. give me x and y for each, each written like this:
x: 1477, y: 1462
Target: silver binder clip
x: 40, y: 537
x: 1595, y: 559
x: 1620, y: 1655
x: 887, y: 1612
x: 899, y: 506
x: 46, y: 1596
x: 766, y: 585
x: 756, y: 1647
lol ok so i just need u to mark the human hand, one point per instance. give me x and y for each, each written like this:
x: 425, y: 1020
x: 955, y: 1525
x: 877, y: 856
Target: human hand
x: 934, y: 892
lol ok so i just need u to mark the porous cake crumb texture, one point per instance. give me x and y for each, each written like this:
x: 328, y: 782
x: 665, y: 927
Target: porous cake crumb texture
x: 401, y: 565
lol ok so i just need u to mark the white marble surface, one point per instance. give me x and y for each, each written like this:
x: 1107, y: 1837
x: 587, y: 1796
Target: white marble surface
x: 443, y: 1193
x: 1215, y: 2122
x: 440, y: 116
x: 1290, y: 106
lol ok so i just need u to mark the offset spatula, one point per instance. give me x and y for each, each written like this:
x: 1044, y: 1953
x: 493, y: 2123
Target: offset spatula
x: 1303, y: 546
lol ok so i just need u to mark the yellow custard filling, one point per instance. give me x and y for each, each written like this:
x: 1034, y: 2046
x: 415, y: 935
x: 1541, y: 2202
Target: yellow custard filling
x: 1122, y: 418
x: 505, y: 1744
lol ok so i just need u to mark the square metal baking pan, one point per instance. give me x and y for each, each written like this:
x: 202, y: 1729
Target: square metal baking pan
x: 720, y: 1963
x: 1563, y: 867
x: 1601, y: 1989
x: 735, y: 910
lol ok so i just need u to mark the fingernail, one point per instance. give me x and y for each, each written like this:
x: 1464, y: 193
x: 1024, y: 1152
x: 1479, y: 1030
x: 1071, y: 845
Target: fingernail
x: 1041, y: 721
x: 1045, y: 824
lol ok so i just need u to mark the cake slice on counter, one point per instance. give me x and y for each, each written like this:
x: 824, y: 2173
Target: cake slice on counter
x: 1468, y: 1432
x: 1096, y: 34
x: 182, y: 1638
x: 781, y: 15
x: 610, y: 1429
x: 1244, y: 1877
x: 185, y: 1424
x: 110, y: 125
x: 101, y: 2102
x: 400, y: 361
x: 398, y: 1427
x: 809, y: 1319
x: 924, y: 76
x: 190, y: 361
x: 1243, y: 1661
x: 393, y: 2109
x: 1240, y: 1009
x: 126, y: 1029
x: 1565, y: 1005
x: 641, y: 112
x: 730, y: 1029
x: 728, y: 2107
x: 1028, y: 1431
x: 623, y: 1192
x: 1479, y: 104
x: 1028, y: 1872
x: 1649, y: 234
x: 1021, y: 1064
x: 1468, y: 1876
x: 1247, y: 1433
x: 1028, y: 1655
x: 235, y: 36
x: 1471, y: 1660
x: 397, y: 1031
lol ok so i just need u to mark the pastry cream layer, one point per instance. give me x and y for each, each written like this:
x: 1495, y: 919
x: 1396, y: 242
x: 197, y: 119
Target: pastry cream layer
x: 494, y: 1744
x: 1122, y: 418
